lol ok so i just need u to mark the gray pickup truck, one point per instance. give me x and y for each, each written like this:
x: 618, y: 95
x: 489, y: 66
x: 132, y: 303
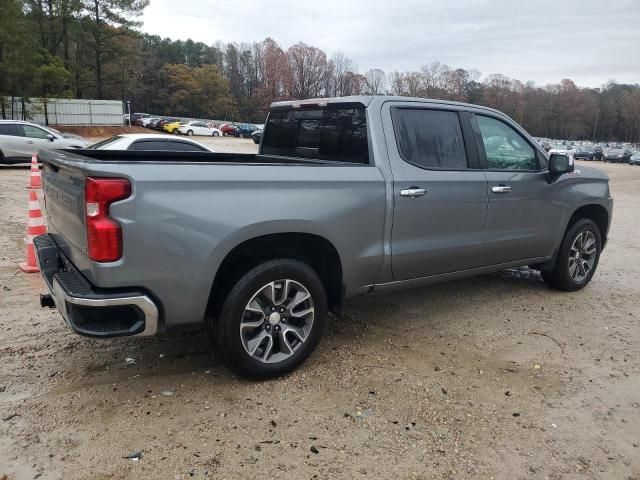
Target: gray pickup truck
x: 346, y: 196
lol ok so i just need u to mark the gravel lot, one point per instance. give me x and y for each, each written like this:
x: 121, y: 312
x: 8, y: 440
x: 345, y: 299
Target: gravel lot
x: 493, y: 377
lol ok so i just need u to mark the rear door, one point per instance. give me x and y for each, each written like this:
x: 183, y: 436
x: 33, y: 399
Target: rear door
x: 524, y: 216
x: 439, y: 190
x: 200, y: 128
x: 12, y: 142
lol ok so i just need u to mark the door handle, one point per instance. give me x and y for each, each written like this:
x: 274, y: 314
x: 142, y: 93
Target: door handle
x: 30, y: 142
x: 501, y: 189
x: 412, y: 192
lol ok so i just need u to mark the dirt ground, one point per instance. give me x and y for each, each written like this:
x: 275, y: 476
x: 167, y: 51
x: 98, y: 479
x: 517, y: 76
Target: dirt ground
x: 493, y: 377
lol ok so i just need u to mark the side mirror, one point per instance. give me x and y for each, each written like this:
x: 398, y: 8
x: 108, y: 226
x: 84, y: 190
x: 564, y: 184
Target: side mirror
x: 559, y: 164
x: 50, y: 137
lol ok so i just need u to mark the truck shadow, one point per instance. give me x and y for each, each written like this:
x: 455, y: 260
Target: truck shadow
x: 365, y: 321
x: 400, y: 310
x: 16, y: 166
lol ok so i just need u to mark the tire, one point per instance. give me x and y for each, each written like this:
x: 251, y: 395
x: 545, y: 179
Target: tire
x: 562, y: 277
x: 190, y: 133
x: 215, y: 134
x: 2, y: 160
x: 271, y: 358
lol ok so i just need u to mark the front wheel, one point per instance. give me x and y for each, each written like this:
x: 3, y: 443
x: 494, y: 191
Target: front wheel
x: 215, y: 134
x: 272, y: 319
x: 190, y: 133
x: 578, y: 257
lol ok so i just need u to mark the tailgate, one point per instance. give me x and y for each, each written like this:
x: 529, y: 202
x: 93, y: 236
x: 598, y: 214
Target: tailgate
x: 63, y: 181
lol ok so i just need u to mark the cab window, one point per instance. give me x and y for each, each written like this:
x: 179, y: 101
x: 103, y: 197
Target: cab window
x: 430, y: 139
x: 505, y: 148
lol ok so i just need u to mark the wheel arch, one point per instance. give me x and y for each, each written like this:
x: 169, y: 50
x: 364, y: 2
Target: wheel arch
x: 595, y: 212
x: 312, y: 249
x: 592, y: 211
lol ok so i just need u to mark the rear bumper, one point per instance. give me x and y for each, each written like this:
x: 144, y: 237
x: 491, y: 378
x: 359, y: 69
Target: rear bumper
x: 88, y: 310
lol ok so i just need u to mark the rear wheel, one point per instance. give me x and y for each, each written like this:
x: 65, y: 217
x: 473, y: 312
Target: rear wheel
x: 272, y: 319
x: 215, y: 134
x: 578, y: 257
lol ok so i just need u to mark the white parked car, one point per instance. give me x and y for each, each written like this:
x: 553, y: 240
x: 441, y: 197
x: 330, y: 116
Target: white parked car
x: 146, y: 121
x: 568, y: 150
x: 19, y: 140
x: 199, y: 128
x: 150, y: 142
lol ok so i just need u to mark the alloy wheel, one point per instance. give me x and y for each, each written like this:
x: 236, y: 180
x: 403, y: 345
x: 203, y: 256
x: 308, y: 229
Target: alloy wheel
x: 277, y: 321
x: 582, y: 256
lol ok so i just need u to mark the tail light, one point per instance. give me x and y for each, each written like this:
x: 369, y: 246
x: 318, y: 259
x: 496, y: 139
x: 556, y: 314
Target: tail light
x: 104, y: 235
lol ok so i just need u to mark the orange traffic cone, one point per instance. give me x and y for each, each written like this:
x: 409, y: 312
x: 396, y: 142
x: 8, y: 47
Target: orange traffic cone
x: 35, y: 227
x: 35, y: 179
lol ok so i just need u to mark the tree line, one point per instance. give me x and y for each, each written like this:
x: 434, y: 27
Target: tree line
x: 94, y: 49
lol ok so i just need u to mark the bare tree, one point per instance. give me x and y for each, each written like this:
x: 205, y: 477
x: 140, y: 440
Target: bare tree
x: 376, y: 81
x: 342, y: 67
x: 308, y: 69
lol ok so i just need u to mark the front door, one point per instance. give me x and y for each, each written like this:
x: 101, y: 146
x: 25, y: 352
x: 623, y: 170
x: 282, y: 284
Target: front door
x: 439, y: 192
x: 35, y: 140
x: 524, y: 215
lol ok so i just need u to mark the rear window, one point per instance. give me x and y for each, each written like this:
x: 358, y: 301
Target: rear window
x: 10, y: 129
x: 337, y: 134
x: 185, y: 147
x: 146, y: 145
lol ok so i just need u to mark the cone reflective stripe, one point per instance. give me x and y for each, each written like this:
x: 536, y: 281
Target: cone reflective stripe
x: 35, y: 179
x: 35, y: 227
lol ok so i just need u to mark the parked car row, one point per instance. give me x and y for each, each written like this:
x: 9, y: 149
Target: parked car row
x: 19, y: 140
x: 614, y: 153
x: 180, y: 126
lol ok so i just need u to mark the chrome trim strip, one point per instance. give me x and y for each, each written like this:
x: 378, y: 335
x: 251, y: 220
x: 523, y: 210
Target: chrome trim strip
x: 144, y: 303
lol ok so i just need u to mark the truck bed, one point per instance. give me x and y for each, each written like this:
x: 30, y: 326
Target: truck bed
x: 125, y: 156
x: 187, y: 211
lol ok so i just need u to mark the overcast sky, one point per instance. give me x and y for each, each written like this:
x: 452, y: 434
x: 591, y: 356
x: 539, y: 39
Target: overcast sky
x: 589, y: 41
